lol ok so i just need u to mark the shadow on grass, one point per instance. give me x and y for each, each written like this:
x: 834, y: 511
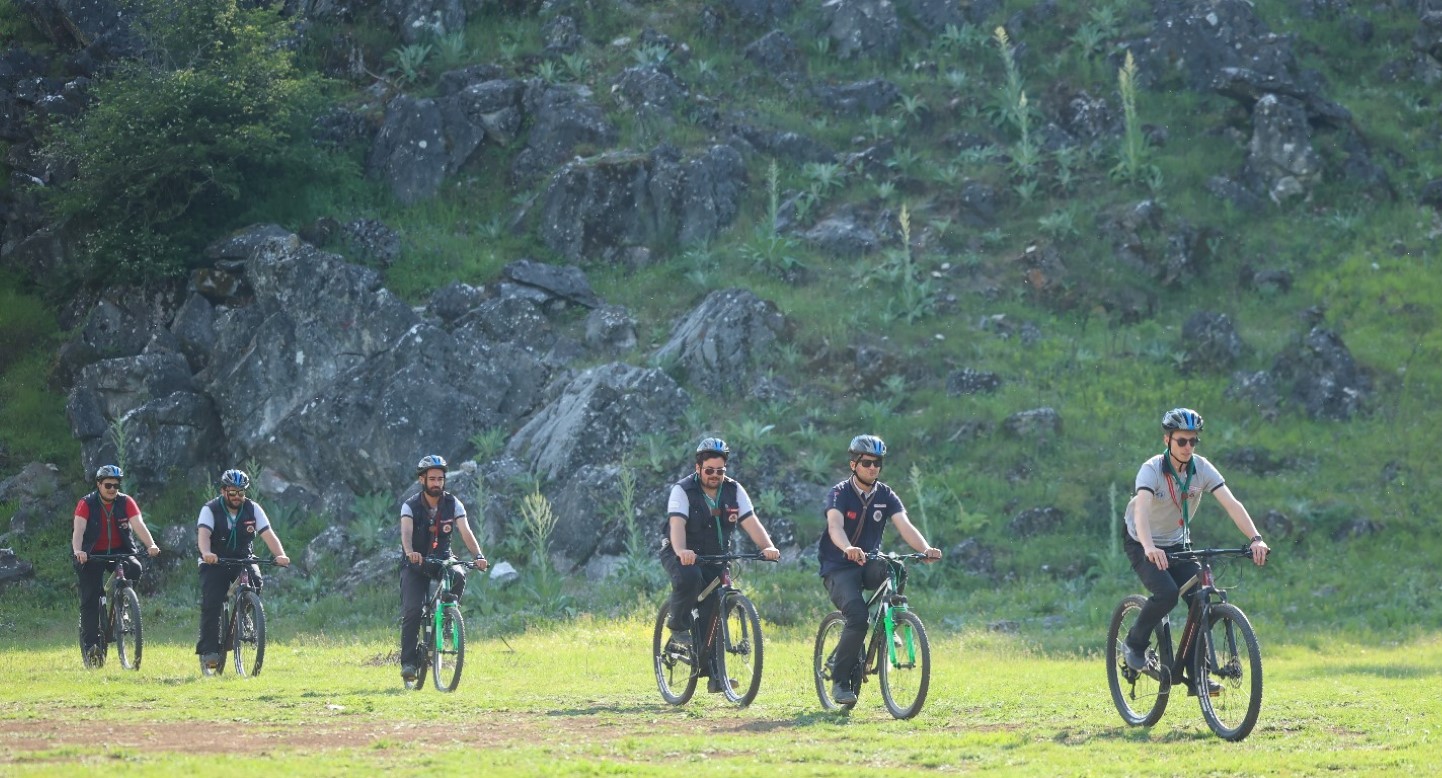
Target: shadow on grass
x: 1375, y: 670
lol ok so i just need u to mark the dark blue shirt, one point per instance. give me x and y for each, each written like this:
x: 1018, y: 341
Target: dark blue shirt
x: 863, y: 519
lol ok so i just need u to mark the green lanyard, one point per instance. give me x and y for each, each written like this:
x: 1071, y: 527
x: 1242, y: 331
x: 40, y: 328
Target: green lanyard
x: 1183, y: 485
x: 715, y: 506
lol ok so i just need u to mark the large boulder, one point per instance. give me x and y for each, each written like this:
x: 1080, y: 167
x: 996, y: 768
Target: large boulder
x: 1324, y: 378
x: 1280, y: 159
x: 598, y: 415
x: 862, y: 28
x: 423, y: 21
x: 564, y: 119
x: 1210, y: 343
x: 721, y: 347
x: 36, y: 492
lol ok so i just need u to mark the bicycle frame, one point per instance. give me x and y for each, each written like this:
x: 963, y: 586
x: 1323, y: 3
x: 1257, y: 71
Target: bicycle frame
x: 888, y: 600
x: 1200, y: 605
x: 720, y: 586
x: 436, y: 590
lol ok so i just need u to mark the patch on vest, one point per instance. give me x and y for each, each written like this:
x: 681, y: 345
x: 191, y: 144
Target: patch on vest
x: 876, y: 515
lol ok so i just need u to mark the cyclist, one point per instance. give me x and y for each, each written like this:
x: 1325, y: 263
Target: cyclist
x: 1169, y: 489
x: 855, y: 512
x: 104, y: 523
x: 702, y: 513
x: 235, y: 521
x: 427, y: 522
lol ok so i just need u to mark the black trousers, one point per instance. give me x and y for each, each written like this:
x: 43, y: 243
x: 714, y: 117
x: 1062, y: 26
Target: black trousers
x: 687, y: 581
x: 415, y: 581
x: 90, y: 578
x: 1164, y: 586
x: 215, y: 581
x: 846, y: 588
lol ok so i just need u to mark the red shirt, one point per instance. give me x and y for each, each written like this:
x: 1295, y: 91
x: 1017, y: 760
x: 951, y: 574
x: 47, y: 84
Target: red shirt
x: 111, y: 521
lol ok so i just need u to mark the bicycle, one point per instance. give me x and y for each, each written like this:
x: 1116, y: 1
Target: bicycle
x: 121, y: 611
x: 903, y: 668
x: 733, y: 646
x: 441, y: 643
x: 244, y: 619
x: 1226, y: 664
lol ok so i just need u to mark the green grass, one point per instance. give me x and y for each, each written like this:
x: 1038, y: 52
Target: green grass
x: 581, y: 700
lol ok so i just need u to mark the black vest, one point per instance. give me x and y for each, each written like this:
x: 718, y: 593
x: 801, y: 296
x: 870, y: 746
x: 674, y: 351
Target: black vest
x: 95, y: 523
x: 232, y: 540
x: 703, y: 523
x: 431, y: 535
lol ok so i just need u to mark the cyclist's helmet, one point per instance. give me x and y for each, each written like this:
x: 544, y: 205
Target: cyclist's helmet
x: 1182, y: 419
x: 713, y: 447
x: 867, y: 445
x: 109, y: 471
x: 430, y: 462
x: 234, y: 479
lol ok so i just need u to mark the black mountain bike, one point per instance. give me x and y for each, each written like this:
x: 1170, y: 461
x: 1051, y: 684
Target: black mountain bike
x: 244, y: 619
x: 120, y: 612
x: 441, y: 643
x: 898, y: 651
x: 728, y: 648
x: 1226, y: 663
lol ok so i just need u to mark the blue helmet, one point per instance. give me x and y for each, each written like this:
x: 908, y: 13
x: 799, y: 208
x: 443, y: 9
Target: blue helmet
x: 713, y: 447
x: 864, y: 445
x: 234, y: 479
x: 109, y: 471
x: 430, y: 462
x: 1182, y: 419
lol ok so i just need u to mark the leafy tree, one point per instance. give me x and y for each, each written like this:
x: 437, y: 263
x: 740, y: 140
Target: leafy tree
x: 180, y: 141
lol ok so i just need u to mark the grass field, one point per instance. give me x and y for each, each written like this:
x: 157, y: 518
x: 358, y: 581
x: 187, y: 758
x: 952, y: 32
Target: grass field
x: 580, y: 700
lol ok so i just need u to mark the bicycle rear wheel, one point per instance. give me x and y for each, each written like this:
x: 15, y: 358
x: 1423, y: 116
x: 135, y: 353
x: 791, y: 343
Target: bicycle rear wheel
x: 1227, y: 654
x: 248, y: 630
x: 675, y: 673
x: 824, y: 661
x: 424, y: 641
x: 449, y: 653
x: 1140, y: 695
x: 741, y: 650
x: 125, y: 627
x: 906, y: 678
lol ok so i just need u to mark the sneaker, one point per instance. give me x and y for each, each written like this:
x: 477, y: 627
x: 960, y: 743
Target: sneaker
x: 713, y: 685
x: 211, y: 661
x: 680, y: 642
x: 841, y: 694
x: 408, y: 673
x: 1136, y: 658
x: 93, y: 657
x: 1214, y: 689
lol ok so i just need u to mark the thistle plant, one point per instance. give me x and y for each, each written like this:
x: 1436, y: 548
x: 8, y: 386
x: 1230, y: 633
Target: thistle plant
x: 1132, y: 166
x: 1016, y: 109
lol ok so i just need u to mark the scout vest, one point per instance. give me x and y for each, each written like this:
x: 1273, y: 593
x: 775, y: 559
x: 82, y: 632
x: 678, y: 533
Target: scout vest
x: 232, y: 539
x: 708, y: 528
x: 96, y: 527
x: 431, y: 534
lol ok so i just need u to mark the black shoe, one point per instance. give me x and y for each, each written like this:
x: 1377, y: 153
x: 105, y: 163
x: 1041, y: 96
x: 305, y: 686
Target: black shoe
x: 408, y: 673
x: 93, y: 657
x: 1136, y: 658
x: 211, y: 661
x: 680, y: 642
x: 841, y: 694
x: 1214, y: 689
x: 713, y: 685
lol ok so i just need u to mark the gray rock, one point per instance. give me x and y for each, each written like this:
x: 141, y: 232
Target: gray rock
x: 860, y: 98
x: 1280, y: 158
x: 1036, y: 521
x: 778, y: 56
x: 1033, y: 423
x: 36, y: 494
x: 13, y: 568
x: 611, y: 329
x: 194, y: 330
x: 503, y: 573
x: 1323, y: 377
x: 972, y: 381
x: 422, y: 21
x: 563, y: 118
x: 862, y: 28
x: 756, y: 13
x: 1210, y: 343
x: 454, y: 300
x: 332, y: 547
x: 722, y: 346
x: 558, y: 282
x: 649, y: 90
x: 561, y: 35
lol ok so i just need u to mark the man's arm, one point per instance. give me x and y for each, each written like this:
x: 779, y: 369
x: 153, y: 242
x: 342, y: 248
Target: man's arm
x: 202, y: 541
x: 77, y: 535
x: 836, y: 530
x: 1243, y: 520
x: 1141, y: 517
x: 678, y: 540
x: 408, y: 526
x: 913, y: 537
x: 138, y: 525
x: 272, y: 541
x: 471, y: 543
x: 759, y: 536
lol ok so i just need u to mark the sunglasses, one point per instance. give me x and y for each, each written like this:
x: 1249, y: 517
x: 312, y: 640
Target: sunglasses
x: 110, y: 485
x: 868, y: 463
x: 1186, y: 442
x: 714, y: 470
x: 234, y: 492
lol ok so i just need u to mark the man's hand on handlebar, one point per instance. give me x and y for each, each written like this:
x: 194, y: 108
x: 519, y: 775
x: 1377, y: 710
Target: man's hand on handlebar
x: 480, y: 563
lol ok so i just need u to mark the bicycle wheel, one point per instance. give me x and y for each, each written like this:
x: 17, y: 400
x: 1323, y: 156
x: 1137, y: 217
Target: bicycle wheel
x: 1140, y: 695
x: 906, y: 668
x: 675, y: 675
x: 449, y: 653
x: 125, y: 628
x: 424, y: 639
x: 824, y: 660
x: 248, y: 630
x: 741, y: 651
x: 98, y: 660
x: 1227, y: 654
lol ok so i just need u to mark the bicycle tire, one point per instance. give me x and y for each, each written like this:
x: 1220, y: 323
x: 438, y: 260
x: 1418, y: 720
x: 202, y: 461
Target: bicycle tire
x: 741, y: 652
x: 449, y: 657
x: 1228, y: 653
x: 675, y: 674
x: 424, y: 639
x: 823, y: 659
x: 1140, y: 697
x: 125, y: 627
x: 905, y: 682
x: 248, y: 634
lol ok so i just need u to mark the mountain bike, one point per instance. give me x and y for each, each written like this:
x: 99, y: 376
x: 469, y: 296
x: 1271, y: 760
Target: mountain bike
x: 244, y: 619
x: 1226, y: 662
x: 120, y: 610
x: 441, y: 643
x: 898, y: 651
x: 728, y: 647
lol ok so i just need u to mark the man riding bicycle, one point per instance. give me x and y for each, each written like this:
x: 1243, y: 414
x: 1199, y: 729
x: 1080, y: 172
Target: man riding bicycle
x: 428, y: 520
x: 103, y: 524
x: 702, y: 513
x: 226, y: 529
x: 855, y: 513
x: 1169, y: 488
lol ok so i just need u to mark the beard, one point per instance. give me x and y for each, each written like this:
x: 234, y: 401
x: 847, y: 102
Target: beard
x: 434, y: 491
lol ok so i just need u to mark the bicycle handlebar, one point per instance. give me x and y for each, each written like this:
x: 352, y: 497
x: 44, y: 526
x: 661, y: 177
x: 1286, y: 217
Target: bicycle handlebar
x: 713, y: 558
x: 107, y: 557
x: 253, y: 560
x: 1208, y: 553
x: 892, y: 556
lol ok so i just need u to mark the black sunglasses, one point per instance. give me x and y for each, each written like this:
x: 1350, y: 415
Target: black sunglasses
x: 1186, y: 442
x: 714, y: 470
x: 110, y: 485
x: 868, y: 462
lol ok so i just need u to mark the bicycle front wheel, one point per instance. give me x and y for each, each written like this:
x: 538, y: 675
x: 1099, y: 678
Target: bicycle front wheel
x: 740, y: 650
x: 675, y: 675
x: 125, y: 626
x: 449, y: 653
x: 1227, y: 663
x: 1140, y: 695
x: 248, y: 631
x: 824, y: 661
x: 906, y: 667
